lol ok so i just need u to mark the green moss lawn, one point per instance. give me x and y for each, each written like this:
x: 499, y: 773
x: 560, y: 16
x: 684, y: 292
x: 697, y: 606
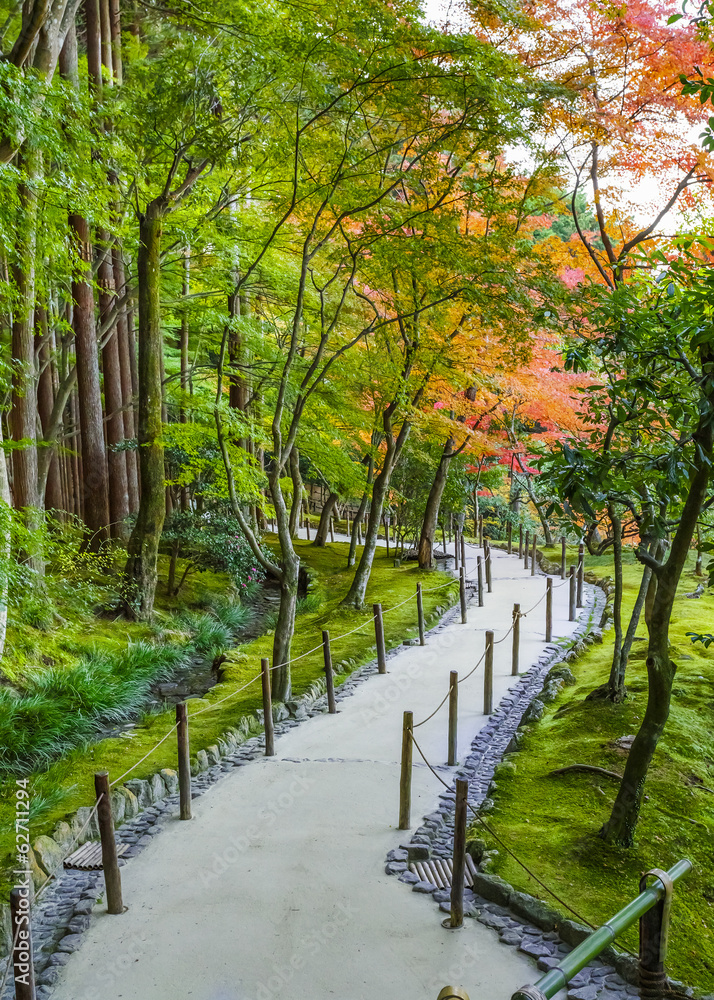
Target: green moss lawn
x: 552, y: 822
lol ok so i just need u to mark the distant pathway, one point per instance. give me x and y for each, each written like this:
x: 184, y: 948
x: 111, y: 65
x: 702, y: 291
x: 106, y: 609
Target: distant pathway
x: 277, y: 887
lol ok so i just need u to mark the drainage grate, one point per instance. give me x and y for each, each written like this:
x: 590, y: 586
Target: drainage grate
x: 438, y: 871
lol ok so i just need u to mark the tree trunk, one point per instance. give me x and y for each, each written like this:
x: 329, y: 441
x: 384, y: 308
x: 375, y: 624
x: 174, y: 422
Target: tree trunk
x: 5, y: 543
x: 433, y: 503
x: 143, y: 548
x: 323, y: 527
x: 296, y: 504
x: 113, y: 400
x: 94, y: 462
x: 127, y: 389
x: 616, y: 684
x: 620, y: 827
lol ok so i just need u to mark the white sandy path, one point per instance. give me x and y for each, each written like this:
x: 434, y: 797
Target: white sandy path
x: 300, y: 905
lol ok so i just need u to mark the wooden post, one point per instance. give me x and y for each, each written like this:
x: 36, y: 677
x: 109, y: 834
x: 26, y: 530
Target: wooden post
x: 515, y: 655
x: 443, y: 538
x: 509, y: 537
x: 332, y: 530
x: 462, y: 594
x: 329, y: 677
x: 534, y: 560
x: 653, y: 946
x: 526, y: 550
x: 405, y: 779
x: 22, y: 958
x: 184, y: 763
x: 489, y: 585
x: 453, y: 716
x: 480, y: 530
x: 267, y: 709
x: 420, y: 616
x: 479, y: 576
x: 379, y: 636
x: 581, y: 572
x: 386, y: 536
x: 488, y: 676
x: 347, y: 521
x: 307, y: 524
x: 456, y: 548
x: 463, y: 549
x: 571, y: 612
x: 451, y: 526
x: 359, y: 531
x: 459, y: 860
x: 563, y: 545
x: 520, y: 542
x: 110, y: 861
x: 548, y: 609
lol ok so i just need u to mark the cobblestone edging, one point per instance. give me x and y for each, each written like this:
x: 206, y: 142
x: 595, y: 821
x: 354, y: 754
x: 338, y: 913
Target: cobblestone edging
x: 63, y: 914
x: 521, y: 921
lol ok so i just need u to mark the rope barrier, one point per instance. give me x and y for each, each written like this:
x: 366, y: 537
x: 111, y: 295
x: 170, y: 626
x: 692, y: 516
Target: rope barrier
x: 483, y: 657
x: 443, y: 702
x: 9, y: 960
x: 69, y: 851
x: 215, y: 704
x: 156, y: 747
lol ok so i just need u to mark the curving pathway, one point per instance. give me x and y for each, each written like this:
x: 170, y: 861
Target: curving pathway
x: 277, y: 887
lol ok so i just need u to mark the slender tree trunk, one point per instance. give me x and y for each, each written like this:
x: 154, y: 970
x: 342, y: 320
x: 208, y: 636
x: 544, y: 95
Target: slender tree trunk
x: 143, y: 547
x: 433, y: 503
x: 359, y: 517
x: 94, y: 460
x: 616, y: 686
x: 296, y: 504
x: 620, y: 827
x: 48, y: 485
x: 127, y: 390
x: 5, y: 543
x: 113, y: 401
x: 323, y: 527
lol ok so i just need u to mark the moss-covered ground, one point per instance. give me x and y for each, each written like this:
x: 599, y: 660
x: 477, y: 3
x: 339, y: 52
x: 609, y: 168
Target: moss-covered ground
x: 68, y: 783
x: 551, y: 823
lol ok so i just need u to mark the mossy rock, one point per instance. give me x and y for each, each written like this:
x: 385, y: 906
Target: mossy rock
x: 505, y: 769
x: 562, y: 672
x: 48, y: 853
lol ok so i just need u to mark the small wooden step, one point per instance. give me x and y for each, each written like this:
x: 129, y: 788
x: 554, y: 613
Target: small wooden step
x: 438, y: 871
x: 88, y: 857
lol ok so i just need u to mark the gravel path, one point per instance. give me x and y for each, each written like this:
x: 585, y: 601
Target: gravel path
x: 278, y: 888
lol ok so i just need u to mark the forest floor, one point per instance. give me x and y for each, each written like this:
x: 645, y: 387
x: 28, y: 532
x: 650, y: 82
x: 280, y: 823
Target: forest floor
x: 555, y: 820
x: 277, y: 888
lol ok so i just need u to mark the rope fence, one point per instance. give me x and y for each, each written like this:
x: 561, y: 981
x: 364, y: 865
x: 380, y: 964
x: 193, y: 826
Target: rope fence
x: 102, y: 808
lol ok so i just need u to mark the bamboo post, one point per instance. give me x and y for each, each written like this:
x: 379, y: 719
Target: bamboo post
x: 479, y: 577
x: 405, y: 779
x: 184, y: 763
x: 515, y: 655
x: 379, y: 636
x: 453, y: 716
x: 488, y: 676
x: 520, y: 542
x: 22, y: 958
x: 110, y: 860
x: 572, y: 602
x: 462, y: 594
x: 463, y: 549
x: 459, y: 860
x: 420, y: 616
x: 581, y: 572
x: 526, y: 550
x: 329, y: 676
x: 534, y: 560
x: 563, y: 545
x: 509, y: 537
x: 332, y: 530
x: 267, y: 709
x: 489, y: 584
x: 548, y: 609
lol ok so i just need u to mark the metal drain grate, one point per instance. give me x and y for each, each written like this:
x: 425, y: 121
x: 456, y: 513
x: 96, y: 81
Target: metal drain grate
x: 438, y: 871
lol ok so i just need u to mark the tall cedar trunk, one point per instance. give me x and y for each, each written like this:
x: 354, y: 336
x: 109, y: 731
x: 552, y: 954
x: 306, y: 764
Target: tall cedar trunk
x: 184, y: 333
x: 323, y: 527
x: 620, y: 827
x: 143, y: 547
x: 48, y: 485
x: 237, y: 385
x: 296, y: 504
x: 433, y: 503
x: 358, y: 588
x: 95, y: 493
x: 24, y: 375
x: 127, y: 391
x: 115, y: 26
x: 113, y: 400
